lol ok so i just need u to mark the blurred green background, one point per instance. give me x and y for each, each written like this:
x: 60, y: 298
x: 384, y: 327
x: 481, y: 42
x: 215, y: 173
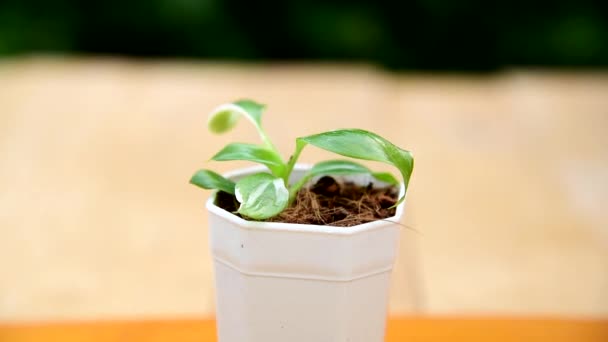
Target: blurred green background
x: 422, y: 35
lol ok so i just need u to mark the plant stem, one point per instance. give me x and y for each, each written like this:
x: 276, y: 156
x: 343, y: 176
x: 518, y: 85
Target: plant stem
x: 293, y: 191
x: 292, y: 161
x: 268, y: 142
x: 269, y: 145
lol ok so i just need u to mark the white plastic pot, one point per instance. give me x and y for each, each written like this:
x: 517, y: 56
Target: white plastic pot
x: 279, y: 282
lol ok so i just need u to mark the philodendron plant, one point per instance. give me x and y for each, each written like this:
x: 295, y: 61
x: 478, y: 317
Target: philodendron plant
x: 266, y: 194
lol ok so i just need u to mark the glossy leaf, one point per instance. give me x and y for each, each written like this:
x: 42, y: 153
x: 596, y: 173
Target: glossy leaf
x: 224, y: 117
x: 361, y: 144
x: 385, y: 177
x: 207, y: 179
x: 261, y: 195
x: 347, y: 167
x: 254, y: 153
x: 338, y: 168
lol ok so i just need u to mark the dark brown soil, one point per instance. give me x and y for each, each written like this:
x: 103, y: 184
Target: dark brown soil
x: 331, y: 203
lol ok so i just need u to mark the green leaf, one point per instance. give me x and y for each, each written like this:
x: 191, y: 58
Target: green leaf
x: 207, y: 179
x: 361, y: 144
x: 338, y: 167
x: 224, y: 117
x: 347, y: 167
x: 261, y: 195
x: 254, y: 153
x: 385, y: 177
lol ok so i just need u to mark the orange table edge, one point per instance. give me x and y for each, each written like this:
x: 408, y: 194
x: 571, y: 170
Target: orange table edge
x: 399, y: 329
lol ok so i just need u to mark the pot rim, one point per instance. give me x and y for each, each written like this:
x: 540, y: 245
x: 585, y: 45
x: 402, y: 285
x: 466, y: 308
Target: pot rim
x: 298, y: 227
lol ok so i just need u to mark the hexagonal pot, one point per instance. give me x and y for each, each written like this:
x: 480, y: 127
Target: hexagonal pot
x: 280, y: 282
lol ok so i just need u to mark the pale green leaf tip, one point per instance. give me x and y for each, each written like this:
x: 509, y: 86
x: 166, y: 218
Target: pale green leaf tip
x: 401, y: 199
x: 223, y: 117
x: 242, y: 102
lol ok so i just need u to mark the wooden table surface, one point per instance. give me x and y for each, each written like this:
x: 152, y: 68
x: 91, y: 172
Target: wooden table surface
x: 399, y: 329
x: 97, y: 219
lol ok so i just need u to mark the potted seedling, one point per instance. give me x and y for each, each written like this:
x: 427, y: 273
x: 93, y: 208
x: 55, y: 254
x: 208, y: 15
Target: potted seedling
x: 303, y: 253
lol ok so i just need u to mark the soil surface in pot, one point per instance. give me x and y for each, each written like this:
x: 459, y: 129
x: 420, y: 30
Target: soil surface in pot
x: 328, y: 202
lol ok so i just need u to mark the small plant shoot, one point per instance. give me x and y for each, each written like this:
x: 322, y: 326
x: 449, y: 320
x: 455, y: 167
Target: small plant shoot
x: 266, y: 194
